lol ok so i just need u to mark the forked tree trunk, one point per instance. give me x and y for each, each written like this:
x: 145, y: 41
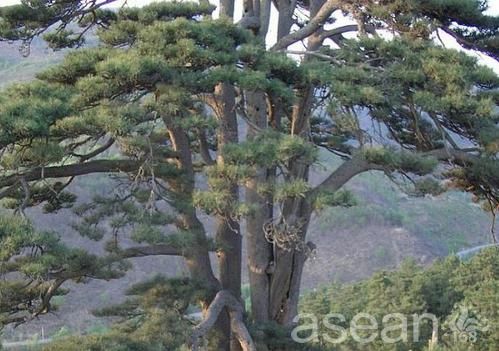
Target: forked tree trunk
x: 289, y: 261
x: 197, y: 256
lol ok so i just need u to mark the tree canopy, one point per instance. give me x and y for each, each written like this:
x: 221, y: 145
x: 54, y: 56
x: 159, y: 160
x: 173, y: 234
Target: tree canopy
x: 163, y: 104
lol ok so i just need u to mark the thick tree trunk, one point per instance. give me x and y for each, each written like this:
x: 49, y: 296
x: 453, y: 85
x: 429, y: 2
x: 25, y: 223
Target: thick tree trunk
x: 197, y: 256
x: 228, y: 234
x: 286, y: 9
x: 259, y: 249
x: 275, y: 272
x: 289, y: 261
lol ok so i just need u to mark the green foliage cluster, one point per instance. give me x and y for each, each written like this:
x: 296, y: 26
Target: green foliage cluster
x: 242, y: 161
x: 400, y: 160
x: 153, y: 318
x: 422, y: 96
x: 409, y: 85
x: 442, y: 289
x: 120, y: 214
x: 41, y: 260
x: 416, y: 19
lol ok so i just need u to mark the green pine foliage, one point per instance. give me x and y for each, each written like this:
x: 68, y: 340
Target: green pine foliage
x: 33, y: 265
x: 444, y: 289
x: 154, y: 317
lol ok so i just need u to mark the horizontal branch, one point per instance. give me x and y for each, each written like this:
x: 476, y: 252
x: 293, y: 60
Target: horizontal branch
x: 460, y: 157
x: 345, y: 29
x: 470, y: 45
x: 97, y: 151
x: 358, y: 164
x: 151, y: 250
x: 77, y: 169
x: 315, y: 54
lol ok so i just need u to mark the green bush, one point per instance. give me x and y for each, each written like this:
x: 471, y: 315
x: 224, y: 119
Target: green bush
x: 463, y: 296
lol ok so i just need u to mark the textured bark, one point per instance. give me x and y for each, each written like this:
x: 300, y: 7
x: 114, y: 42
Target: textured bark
x: 286, y: 9
x: 251, y: 16
x: 228, y: 234
x: 289, y: 261
x: 204, y: 148
x: 224, y: 300
x: 264, y: 112
x: 197, y: 256
x: 264, y: 18
x: 313, y: 25
x: 259, y: 249
x: 226, y: 8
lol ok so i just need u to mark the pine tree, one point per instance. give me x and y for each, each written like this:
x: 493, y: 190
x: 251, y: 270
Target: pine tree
x: 448, y: 289
x: 163, y: 99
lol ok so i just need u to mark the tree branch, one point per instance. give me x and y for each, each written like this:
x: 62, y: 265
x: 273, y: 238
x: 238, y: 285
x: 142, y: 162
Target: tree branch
x: 468, y: 44
x: 345, y: 29
x: 152, y: 250
x: 97, y: 151
x: 315, y: 54
x: 204, y: 148
x: 97, y: 166
x: 460, y: 157
x: 358, y: 164
x: 224, y: 299
x: 318, y: 20
x: 344, y: 173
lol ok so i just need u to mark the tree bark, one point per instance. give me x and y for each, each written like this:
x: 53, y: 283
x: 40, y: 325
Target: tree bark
x: 259, y: 249
x: 197, y: 257
x: 317, y: 20
x: 224, y: 300
x: 296, y: 214
x: 228, y: 235
x: 286, y: 9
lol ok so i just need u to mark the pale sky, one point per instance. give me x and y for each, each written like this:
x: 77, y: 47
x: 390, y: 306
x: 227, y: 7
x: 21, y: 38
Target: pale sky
x: 493, y: 4
x: 449, y: 42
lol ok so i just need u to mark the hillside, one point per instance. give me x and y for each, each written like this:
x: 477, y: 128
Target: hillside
x: 16, y: 68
